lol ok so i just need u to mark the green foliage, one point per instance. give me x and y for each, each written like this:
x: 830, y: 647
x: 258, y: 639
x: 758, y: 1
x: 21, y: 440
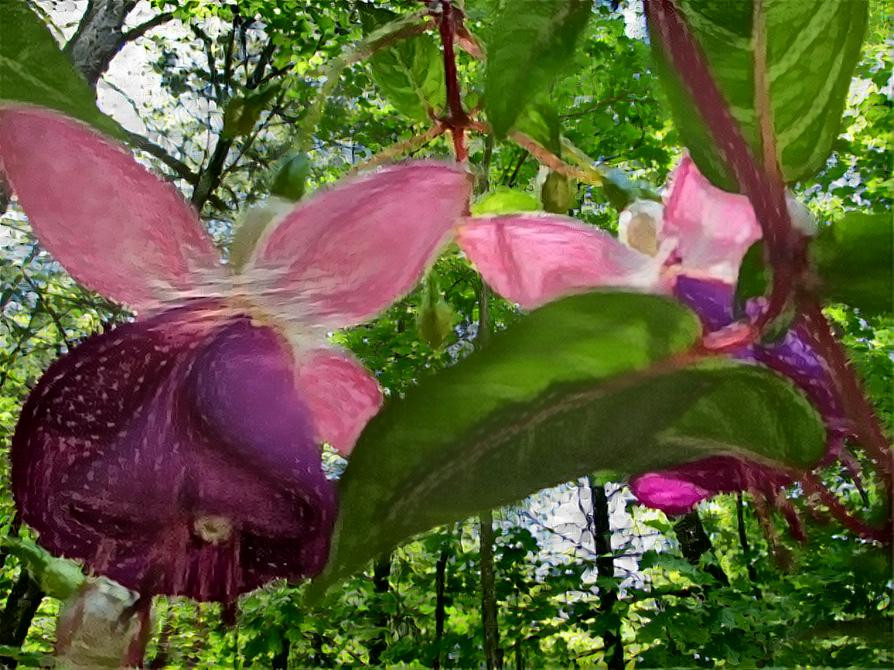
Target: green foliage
x: 529, y: 44
x: 532, y: 411
x: 809, y: 49
x: 409, y: 72
x: 33, y: 70
x: 826, y: 602
x: 854, y: 258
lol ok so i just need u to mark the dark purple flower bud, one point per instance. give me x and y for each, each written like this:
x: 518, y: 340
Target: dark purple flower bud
x: 176, y: 456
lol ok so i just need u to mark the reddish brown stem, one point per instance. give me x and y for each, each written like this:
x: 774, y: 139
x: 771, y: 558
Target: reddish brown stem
x: 813, y: 486
x: 785, y: 247
x: 867, y: 426
x: 456, y: 120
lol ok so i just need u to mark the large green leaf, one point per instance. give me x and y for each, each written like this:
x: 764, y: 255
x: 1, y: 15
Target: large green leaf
x: 34, y: 70
x: 811, y: 46
x: 570, y: 389
x: 410, y: 72
x: 529, y: 45
x: 854, y: 258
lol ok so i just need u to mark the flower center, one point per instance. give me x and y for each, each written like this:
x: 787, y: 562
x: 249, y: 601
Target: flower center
x: 213, y: 529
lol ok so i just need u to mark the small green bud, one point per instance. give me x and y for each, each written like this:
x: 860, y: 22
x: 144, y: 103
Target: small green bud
x: 557, y: 193
x: 290, y: 180
x: 435, y: 319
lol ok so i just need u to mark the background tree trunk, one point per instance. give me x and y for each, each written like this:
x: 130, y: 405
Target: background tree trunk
x: 605, y: 567
x: 492, y: 652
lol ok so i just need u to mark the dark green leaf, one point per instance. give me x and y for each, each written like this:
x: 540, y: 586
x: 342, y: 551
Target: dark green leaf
x: 34, y: 70
x: 854, y: 258
x: 754, y: 276
x: 564, y: 392
x: 812, y: 47
x: 541, y: 123
x: 530, y: 44
x: 410, y: 72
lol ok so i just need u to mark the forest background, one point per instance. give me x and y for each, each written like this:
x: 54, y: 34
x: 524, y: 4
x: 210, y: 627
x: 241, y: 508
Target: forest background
x: 223, y: 99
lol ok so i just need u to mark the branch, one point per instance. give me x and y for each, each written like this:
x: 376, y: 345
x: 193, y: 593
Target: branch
x: 143, y: 28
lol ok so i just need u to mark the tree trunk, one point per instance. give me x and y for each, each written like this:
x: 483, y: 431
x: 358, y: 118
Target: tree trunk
x: 492, y: 652
x: 100, y: 35
x: 381, y: 586
x: 605, y: 567
x: 21, y: 605
x: 281, y: 658
x: 694, y: 543
x: 440, y: 602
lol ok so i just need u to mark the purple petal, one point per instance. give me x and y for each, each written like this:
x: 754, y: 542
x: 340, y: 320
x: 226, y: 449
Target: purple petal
x: 711, y: 299
x: 678, y: 490
x: 175, y: 455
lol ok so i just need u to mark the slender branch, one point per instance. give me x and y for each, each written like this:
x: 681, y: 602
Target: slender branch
x: 140, y: 30
x: 456, y: 120
x: 399, y: 149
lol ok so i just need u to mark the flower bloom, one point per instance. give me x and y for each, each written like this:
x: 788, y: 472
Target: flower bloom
x: 691, y: 247
x: 179, y: 453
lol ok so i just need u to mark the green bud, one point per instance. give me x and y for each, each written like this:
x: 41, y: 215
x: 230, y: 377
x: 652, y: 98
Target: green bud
x: 290, y: 180
x: 435, y: 318
x: 505, y: 201
x: 557, y: 193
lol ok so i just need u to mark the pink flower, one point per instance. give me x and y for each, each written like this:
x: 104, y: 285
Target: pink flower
x: 179, y: 454
x: 690, y: 247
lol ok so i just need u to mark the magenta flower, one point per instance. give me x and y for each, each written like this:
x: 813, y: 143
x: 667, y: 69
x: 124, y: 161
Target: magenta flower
x: 179, y: 453
x: 690, y: 247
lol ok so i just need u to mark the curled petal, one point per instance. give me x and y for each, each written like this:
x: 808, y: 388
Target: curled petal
x: 532, y: 259
x: 175, y: 455
x: 350, y: 251
x: 678, y: 490
x: 115, y: 227
x: 712, y: 228
x: 341, y: 394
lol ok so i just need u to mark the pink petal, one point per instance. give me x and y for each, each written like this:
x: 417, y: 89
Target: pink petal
x: 350, y: 251
x: 175, y: 455
x: 534, y: 258
x: 115, y: 227
x: 341, y: 394
x: 713, y: 229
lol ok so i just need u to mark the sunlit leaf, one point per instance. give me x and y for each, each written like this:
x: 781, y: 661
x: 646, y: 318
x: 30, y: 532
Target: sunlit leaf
x: 810, y: 48
x: 563, y: 393
x: 530, y: 44
x: 34, y: 70
x: 854, y: 258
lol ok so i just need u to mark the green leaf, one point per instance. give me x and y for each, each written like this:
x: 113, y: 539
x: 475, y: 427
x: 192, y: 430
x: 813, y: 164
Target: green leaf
x: 566, y: 391
x: 854, y: 258
x: 34, y: 70
x: 409, y: 73
x: 812, y: 47
x: 505, y: 200
x: 435, y: 318
x: 530, y: 44
x: 540, y: 122
x: 754, y: 276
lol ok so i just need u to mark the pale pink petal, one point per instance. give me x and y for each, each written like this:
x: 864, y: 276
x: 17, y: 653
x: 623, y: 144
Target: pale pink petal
x: 534, y: 258
x: 115, y: 227
x: 341, y: 394
x: 351, y: 250
x: 712, y: 228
